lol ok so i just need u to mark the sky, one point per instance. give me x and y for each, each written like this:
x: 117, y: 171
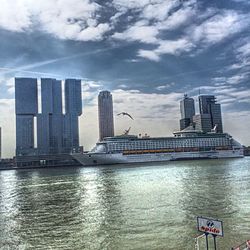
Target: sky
x: 148, y: 53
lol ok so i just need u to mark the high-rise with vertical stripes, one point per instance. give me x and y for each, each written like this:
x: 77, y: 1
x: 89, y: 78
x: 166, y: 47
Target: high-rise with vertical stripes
x: 26, y: 107
x: 57, y: 132
x: 73, y: 109
x: 50, y: 121
x: 105, y: 115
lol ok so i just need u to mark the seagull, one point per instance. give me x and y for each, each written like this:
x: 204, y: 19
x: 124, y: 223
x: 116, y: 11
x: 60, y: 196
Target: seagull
x: 127, y: 114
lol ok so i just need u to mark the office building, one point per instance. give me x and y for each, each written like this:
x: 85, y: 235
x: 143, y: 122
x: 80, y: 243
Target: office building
x: 73, y: 97
x: 0, y: 142
x: 105, y: 115
x: 73, y: 109
x: 208, y: 105
x: 51, y: 96
x: 26, y: 108
x: 185, y: 122
x: 187, y: 112
x: 202, y: 122
x: 50, y: 121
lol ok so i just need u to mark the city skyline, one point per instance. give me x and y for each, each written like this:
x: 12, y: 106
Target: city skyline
x: 146, y: 60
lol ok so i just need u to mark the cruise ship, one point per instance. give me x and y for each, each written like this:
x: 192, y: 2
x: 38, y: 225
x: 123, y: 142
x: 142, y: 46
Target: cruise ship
x: 183, y: 145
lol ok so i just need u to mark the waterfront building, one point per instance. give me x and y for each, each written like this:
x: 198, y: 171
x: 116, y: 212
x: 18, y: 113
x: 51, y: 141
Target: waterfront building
x: 0, y: 143
x: 187, y: 109
x: 26, y: 108
x: 208, y: 105
x: 185, y: 122
x: 51, y: 96
x: 73, y: 109
x: 202, y: 122
x: 105, y: 115
x: 73, y: 97
x: 50, y: 121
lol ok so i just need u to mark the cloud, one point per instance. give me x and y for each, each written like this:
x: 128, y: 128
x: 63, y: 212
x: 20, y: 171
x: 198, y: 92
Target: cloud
x: 15, y: 15
x: 149, y: 54
x: 158, y: 11
x: 139, y: 32
x: 213, y: 30
x: 174, y: 47
x: 167, y: 47
x: 238, y: 78
x: 126, y: 5
x: 74, y: 20
x: 161, y: 15
x: 164, y: 87
x: 177, y: 18
x: 244, y: 50
x: 242, y: 55
x: 219, y: 27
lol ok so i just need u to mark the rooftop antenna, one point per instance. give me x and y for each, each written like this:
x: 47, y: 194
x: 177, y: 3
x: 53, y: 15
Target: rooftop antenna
x: 199, y: 91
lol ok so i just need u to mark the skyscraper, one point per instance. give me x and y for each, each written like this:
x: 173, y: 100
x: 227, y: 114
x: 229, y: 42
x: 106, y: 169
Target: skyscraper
x: 73, y: 97
x: 187, y: 111
x: 208, y: 105
x: 203, y: 122
x: 51, y: 96
x: 73, y: 109
x: 56, y: 132
x: 105, y: 114
x: 0, y: 142
x: 26, y: 107
x: 50, y: 121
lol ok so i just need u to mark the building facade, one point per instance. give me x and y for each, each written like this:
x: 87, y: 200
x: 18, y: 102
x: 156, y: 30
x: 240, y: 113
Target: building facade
x: 105, y: 115
x: 26, y: 108
x: 56, y: 132
x: 187, y: 109
x: 208, y: 105
x: 73, y: 109
x: 202, y: 122
x: 0, y: 143
x: 50, y: 121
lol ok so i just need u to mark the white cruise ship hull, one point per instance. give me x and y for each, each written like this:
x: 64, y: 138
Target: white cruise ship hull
x: 93, y: 159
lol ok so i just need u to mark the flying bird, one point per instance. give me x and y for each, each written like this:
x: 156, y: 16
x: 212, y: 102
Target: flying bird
x: 127, y: 114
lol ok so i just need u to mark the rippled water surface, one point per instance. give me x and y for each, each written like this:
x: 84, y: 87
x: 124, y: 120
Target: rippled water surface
x: 126, y: 207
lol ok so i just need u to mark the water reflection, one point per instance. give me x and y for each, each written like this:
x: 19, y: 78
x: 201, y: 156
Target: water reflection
x: 150, y: 207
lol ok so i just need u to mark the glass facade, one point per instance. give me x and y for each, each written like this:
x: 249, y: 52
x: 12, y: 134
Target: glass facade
x: 25, y: 135
x: 187, y: 109
x: 105, y: 115
x: 73, y: 97
x: 73, y: 109
x: 208, y: 105
x: 26, y: 108
x: 56, y: 132
x: 49, y: 123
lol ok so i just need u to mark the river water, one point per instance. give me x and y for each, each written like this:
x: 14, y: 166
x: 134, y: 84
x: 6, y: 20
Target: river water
x: 124, y: 207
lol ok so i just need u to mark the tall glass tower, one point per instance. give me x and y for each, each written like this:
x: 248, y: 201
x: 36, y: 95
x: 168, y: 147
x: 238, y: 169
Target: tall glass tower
x: 73, y: 109
x: 208, y: 105
x: 26, y: 107
x: 50, y: 121
x: 105, y: 115
x: 187, y: 111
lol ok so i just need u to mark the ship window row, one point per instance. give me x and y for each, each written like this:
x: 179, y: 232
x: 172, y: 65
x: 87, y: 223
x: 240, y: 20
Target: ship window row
x: 204, y: 142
